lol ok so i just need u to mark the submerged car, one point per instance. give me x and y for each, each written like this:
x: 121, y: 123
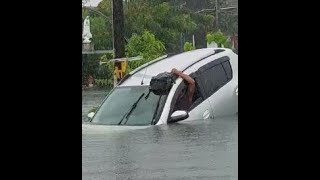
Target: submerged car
x: 215, y: 71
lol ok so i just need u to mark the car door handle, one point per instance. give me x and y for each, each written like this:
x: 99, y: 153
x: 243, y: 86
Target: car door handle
x: 206, y: 114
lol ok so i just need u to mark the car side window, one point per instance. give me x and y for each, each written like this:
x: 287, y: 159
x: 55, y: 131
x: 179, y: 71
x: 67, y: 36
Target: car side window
x: 214, y: 75
x: 182, y: 90
x: 213, y: 79
x: 227, y: 67
x: 209, y: 78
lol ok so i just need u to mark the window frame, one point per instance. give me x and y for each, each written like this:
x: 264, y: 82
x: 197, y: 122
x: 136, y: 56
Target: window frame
x: 199, y: 83
x: 210, y: 65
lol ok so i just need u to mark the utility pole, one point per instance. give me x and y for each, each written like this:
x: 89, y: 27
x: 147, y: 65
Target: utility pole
x: 118, y: 28
x: 217, y: 15
x: 118, y: 36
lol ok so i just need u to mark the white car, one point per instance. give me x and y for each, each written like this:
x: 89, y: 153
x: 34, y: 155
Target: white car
x: 215, y: 71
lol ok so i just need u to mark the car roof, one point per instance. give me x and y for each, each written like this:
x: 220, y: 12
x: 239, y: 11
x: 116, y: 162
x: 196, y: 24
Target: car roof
x: 166, y: 64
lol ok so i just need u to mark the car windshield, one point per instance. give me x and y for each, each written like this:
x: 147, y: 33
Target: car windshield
x: 121, y: 100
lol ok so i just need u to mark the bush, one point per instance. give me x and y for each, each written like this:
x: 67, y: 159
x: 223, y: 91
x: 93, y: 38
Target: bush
x: 145, y: 45
x: 218, y: 38
x: 188, y: 46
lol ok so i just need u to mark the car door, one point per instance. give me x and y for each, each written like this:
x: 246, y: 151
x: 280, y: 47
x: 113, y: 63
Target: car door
x: 216, y: 78
x: 200, y: 108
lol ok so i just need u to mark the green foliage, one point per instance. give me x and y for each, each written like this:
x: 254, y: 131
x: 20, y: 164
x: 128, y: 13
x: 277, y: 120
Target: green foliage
x: 105, y: 75
x: 219, y: 38
x: 101, y: 30
x: 151, y: 28
x: 228, y: 23
x: 173, y: 22
x: 166, y: 20
x: 204, y: 21
x: 105, y: 7
x: 102, y: 33
x: 228, y: 44
x: 104, y: 82
x: 91, y: 66
x: 145, y: 45
x: 100, y: 25
x: 188, y: 46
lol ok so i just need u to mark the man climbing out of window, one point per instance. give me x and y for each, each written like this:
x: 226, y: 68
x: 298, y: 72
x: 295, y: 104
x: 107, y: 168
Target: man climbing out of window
x: 184, y: 100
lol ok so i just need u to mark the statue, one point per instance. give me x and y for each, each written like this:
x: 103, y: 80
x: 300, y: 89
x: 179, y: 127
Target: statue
x: 86, y: 34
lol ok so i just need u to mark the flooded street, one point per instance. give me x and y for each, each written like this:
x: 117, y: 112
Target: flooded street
x: 90, y: 99
x: 186, y: 150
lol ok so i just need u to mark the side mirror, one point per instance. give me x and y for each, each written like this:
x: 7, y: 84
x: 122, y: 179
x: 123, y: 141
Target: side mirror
x: 178, y: 116
x: 90, y: 115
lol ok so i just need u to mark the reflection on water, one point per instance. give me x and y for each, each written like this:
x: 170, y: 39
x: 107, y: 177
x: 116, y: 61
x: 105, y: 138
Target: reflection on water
x: 186, y: 150
x: 90, y: 99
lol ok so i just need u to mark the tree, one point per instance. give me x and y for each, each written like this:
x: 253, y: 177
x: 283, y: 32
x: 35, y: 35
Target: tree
x: 188, y: 46
x: 228, y: 23
x: 173, y: 22
x: 105, y: 7
x: 218, y: 38
x: 168, y: 21
x: 145, y: 45
x: 102, y: 33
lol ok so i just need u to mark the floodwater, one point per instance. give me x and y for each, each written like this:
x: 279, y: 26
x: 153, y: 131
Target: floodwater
x: 186, y: 150
x: 91, y: 98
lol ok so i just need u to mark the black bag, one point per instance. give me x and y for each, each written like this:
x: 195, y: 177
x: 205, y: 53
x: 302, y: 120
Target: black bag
x: 161, y: 83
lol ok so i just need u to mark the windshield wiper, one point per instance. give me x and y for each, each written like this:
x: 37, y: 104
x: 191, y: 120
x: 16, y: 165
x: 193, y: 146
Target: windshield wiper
x: 130, y: 110
x: 155, y: 111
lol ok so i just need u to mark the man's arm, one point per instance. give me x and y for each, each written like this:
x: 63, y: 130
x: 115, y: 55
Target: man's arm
x: 191, y: 83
